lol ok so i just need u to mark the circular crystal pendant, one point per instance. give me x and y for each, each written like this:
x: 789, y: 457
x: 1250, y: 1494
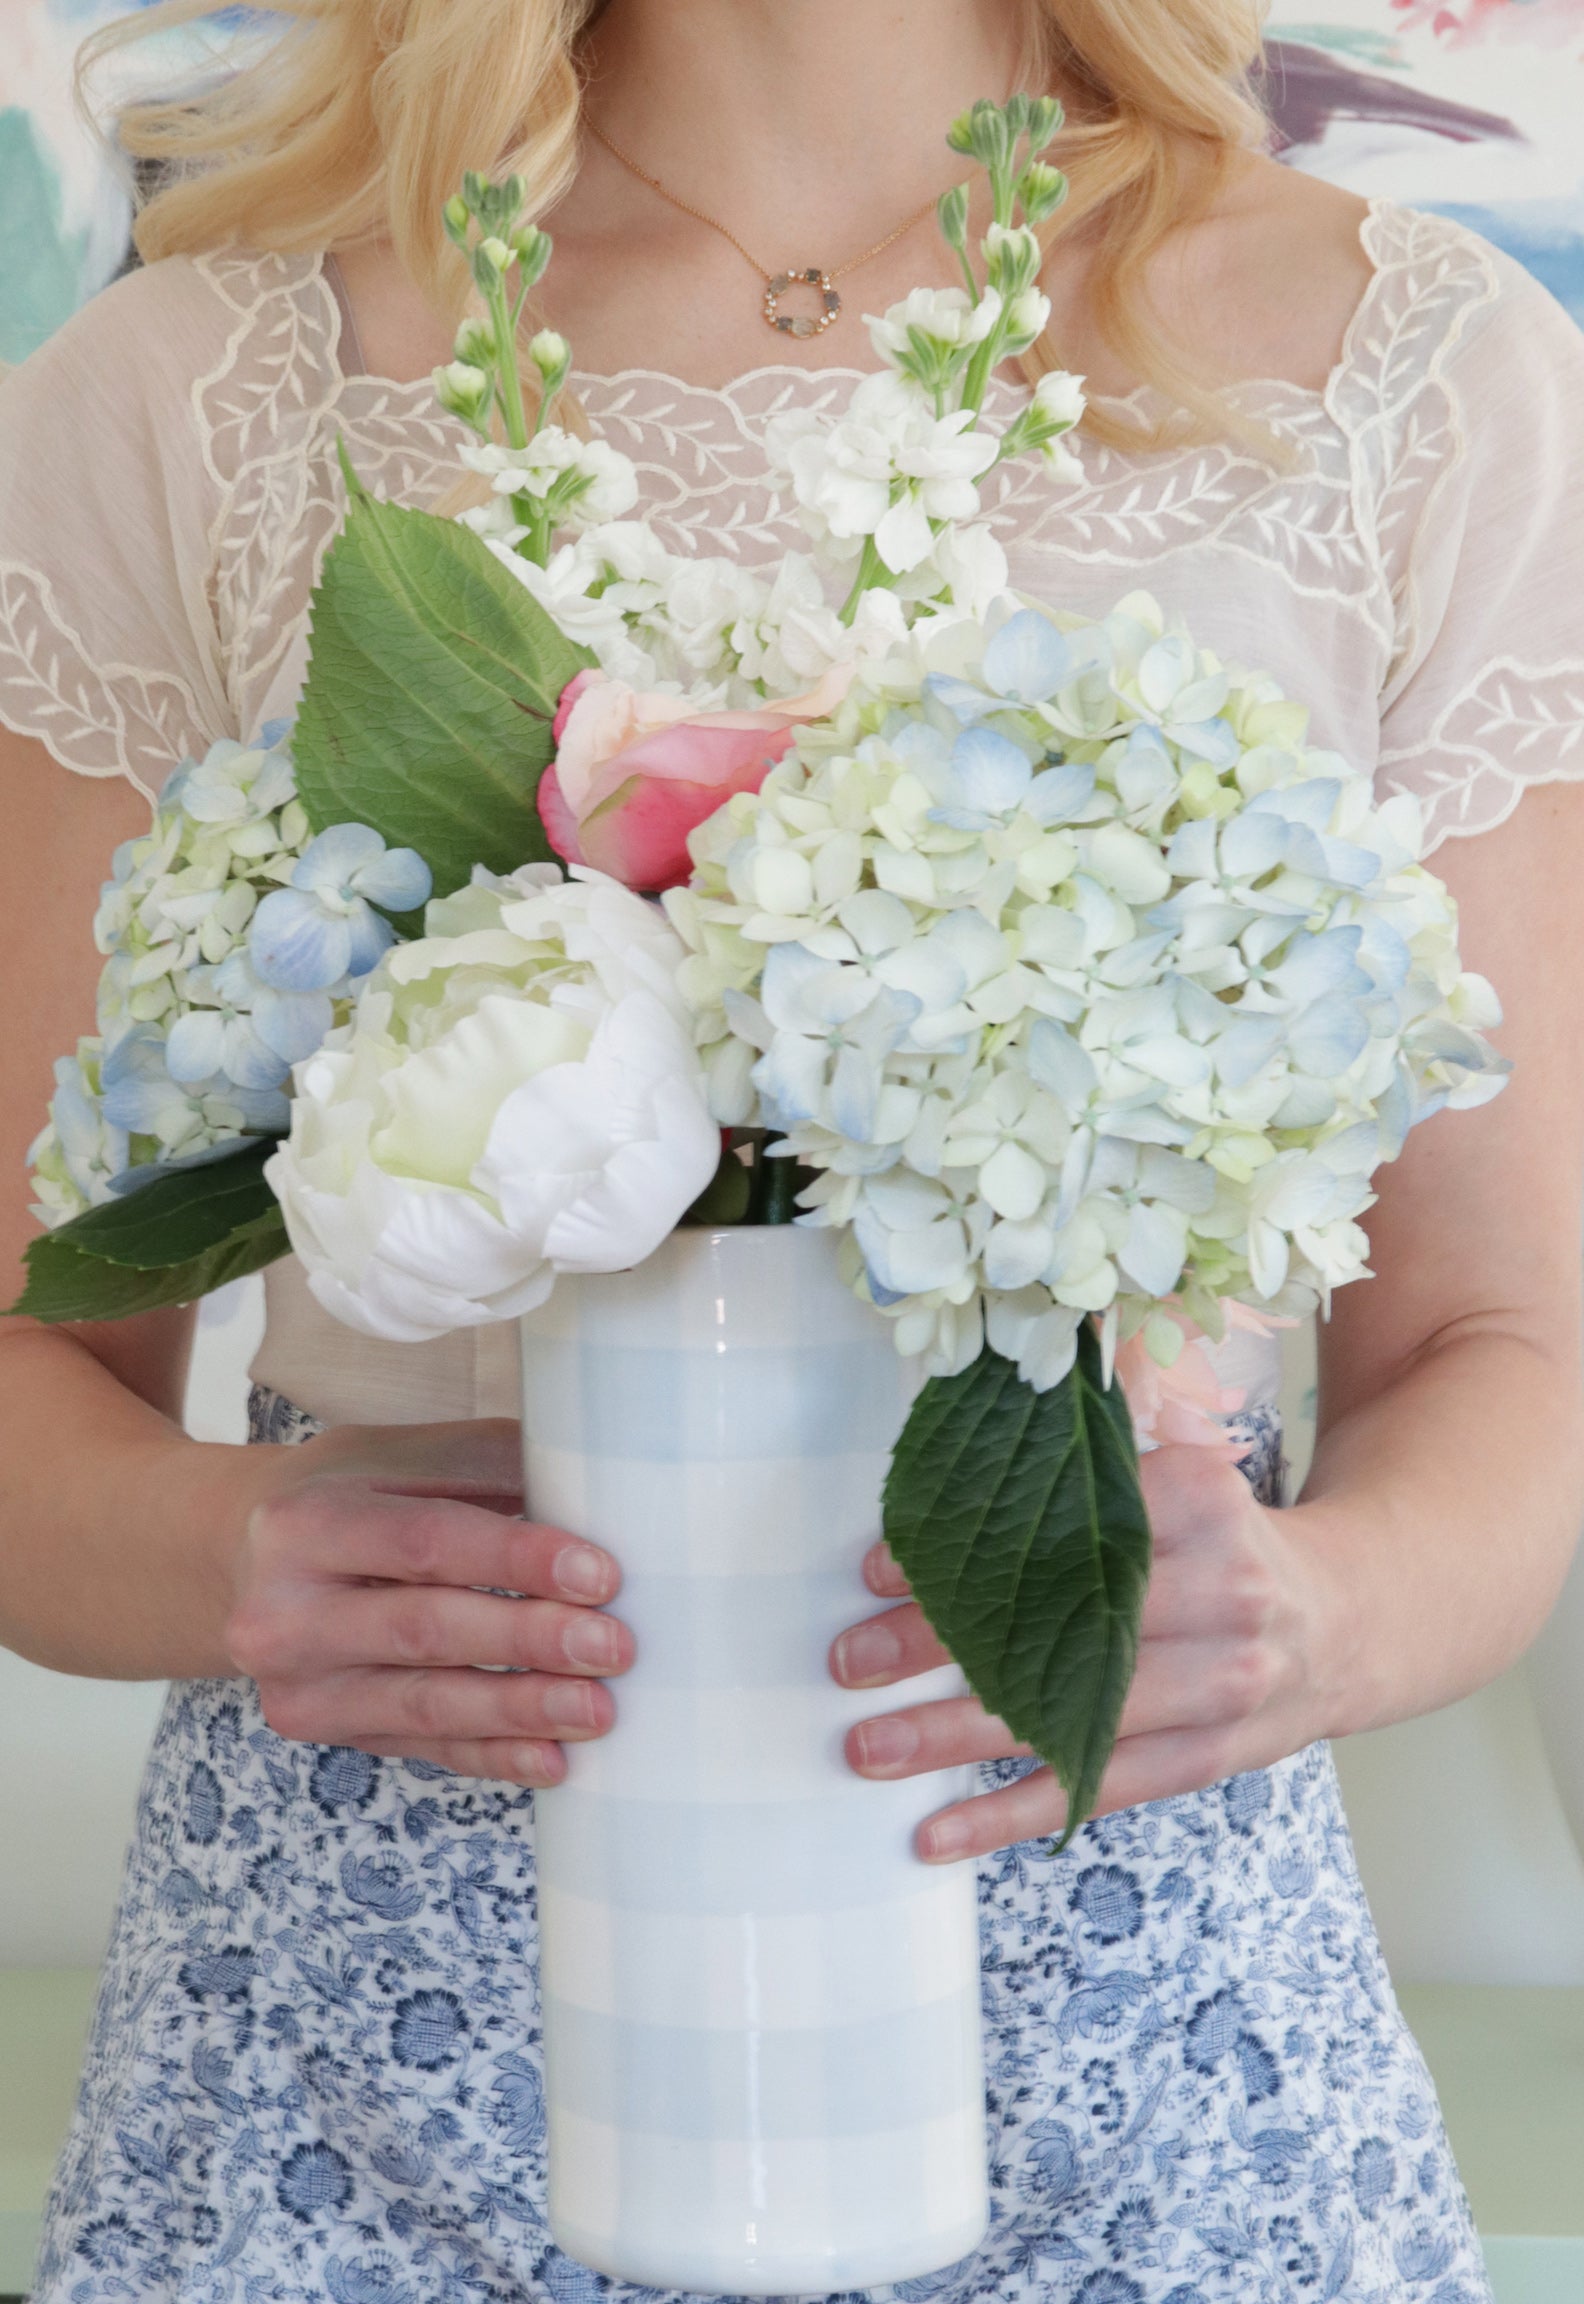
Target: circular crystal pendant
x: 801, y: 323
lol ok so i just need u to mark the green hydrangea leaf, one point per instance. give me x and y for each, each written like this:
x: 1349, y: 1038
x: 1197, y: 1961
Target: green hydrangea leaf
x: 171, y: 1242
x: 1018, y: 1520
x: 432, y: 685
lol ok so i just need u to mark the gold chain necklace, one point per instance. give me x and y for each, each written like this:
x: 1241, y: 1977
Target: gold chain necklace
x: 818, y: 276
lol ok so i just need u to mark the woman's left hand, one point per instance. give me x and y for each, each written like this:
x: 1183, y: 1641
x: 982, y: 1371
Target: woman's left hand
x: 1236, y: 1662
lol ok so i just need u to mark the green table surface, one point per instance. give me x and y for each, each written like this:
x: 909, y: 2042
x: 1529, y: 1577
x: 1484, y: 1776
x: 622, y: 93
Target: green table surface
x: 1508, y: 2061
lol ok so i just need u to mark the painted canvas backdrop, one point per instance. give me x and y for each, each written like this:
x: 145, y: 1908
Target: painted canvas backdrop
x: 1474, y: 107
x: 64, y: 210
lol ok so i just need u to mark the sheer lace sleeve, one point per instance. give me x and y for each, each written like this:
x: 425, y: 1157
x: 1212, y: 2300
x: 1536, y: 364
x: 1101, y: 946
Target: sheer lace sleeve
x: 1486, y: 694
x: 108, y: 641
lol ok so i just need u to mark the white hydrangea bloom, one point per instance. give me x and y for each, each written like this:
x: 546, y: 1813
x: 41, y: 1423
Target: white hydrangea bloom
x: 79, y: 1153
x: 1083, y: 982
x: 198, y: 1024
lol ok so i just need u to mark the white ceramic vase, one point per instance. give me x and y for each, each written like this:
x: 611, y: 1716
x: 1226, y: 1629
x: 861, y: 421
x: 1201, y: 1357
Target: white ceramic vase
x: 761, y: 2011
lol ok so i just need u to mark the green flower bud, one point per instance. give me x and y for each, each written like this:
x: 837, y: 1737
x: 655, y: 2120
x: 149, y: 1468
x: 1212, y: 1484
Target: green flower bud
x: 497, y: 208
x: 475, y: 190
x: 532, y: 248
x: 1026, y: 316
x: 498, y: 253
x: 463, y: 391
x: 454, y: 215
x: 1042, y: 189
x: 475, y: 344
x: 960, y: 135
x: 1012, y: 258
x: 552, y: 356
x: 1044, y: 118
x: 992, y: 137
x: 952, y: 210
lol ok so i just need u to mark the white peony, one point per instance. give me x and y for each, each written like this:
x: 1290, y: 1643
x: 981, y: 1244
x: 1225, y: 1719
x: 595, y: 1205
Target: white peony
x: 516, y: 1095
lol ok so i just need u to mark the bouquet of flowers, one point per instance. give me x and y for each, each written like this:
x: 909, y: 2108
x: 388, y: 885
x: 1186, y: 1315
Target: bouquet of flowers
x: 1041, y: 958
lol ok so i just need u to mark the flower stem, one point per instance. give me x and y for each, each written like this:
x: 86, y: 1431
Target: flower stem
x: 512, y: 409
x: 983, y: 365
x: 871, y: 576
x: 781, y: 1187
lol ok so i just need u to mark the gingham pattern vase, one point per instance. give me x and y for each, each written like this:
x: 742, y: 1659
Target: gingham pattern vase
x: 761, y: 2011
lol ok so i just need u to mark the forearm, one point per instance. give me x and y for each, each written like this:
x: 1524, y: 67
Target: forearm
x: 118, y: 1534
x: 1441, y: 1513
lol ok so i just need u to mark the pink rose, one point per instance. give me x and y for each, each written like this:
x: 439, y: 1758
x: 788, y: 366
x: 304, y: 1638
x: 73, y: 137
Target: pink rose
x: 634, y: 773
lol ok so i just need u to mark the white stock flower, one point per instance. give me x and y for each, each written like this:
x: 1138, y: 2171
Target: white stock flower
x: 946, y: 316
x: 886, y: 469
x: 516, y: 1095
x: 1059, y: 396
x: 1012, y: 255
x: 1027, y: 315
x: 581, y: 483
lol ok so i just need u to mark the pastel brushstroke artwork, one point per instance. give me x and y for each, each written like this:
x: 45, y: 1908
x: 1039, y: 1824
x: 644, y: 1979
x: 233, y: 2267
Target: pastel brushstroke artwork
x: 64, y: 207
x: 1468, y: 107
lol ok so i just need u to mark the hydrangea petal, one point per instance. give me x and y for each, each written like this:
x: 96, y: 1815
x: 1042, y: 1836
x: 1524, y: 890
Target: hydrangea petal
x: 333, y: 858
x: 1329, y: 1035
x: 195, y: 1049
x: 1028, y: 659
x: 296, y: 945
x: 988, y: 772
x: 398, y: 881
x: 293, y: 1024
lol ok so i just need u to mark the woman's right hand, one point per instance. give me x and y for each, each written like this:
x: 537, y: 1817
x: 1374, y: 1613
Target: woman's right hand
x: 362, y: 1609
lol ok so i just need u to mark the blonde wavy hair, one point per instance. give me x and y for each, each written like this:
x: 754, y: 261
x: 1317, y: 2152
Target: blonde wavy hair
x: 333, y: 133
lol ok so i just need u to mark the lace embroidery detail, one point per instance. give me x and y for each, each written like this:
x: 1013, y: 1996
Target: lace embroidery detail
x: 99, y: 719
x: 1513, y: 726
x: 269, y: 424
x: 1379, y: 444
x: 1391, y: 397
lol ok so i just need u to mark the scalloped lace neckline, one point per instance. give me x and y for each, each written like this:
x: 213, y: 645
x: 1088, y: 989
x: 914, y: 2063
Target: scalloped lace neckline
x: 586, y: 381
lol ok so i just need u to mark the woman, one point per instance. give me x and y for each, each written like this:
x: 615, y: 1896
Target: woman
x: 314, y: 2068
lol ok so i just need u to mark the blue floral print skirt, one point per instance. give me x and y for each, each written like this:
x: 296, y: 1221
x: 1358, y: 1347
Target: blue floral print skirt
x: 314, y: 2070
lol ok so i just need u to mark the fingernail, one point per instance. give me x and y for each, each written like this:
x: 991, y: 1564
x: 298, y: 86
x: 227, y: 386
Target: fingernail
x: 941, y: 1841
x: 867, y: 1653
x: 535, y: 1763
x: 885, y: 1743
x: 592, y: 1641
x: 567, y: 1704
x: 583, y: 1572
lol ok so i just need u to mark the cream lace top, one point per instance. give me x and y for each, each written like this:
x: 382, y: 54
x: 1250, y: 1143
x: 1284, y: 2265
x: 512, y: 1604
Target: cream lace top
x: 168, y: 483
